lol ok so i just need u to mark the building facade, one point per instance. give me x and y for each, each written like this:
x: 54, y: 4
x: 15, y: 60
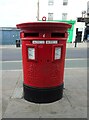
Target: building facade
x: 61, y: 9
x: 9, y: 35
x: 64, y: 11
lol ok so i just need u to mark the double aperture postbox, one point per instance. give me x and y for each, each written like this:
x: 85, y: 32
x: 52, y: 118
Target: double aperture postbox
x: 43, y: 55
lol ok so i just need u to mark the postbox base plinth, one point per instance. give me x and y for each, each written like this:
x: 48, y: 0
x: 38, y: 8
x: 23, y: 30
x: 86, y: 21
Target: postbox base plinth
x: 43, y: 95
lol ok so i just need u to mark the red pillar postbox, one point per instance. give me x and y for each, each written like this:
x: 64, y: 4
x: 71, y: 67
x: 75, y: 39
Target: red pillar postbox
x: 43, y: 55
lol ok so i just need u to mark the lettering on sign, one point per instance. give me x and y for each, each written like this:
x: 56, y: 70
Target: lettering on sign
x: 51, y: 42
x: 38, y: 42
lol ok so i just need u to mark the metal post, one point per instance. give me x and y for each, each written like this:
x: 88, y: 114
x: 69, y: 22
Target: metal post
x: 38, y: 10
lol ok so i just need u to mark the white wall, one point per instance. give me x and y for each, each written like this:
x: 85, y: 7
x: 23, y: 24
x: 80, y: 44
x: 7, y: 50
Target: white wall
x: 74, y: 8
x: 43, y: 8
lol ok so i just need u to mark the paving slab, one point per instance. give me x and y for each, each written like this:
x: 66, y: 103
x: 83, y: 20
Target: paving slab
x: 9, y: 81
x: 59, y: 109
x: 19, y: 108
x: 75, y: 78
x: 18, y: 93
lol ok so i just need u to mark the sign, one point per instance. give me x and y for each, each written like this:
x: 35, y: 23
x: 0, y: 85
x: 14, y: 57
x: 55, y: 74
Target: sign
x: 57, y: 53
x: 31, y: 53
x: 38, y: 42
x: 51, y: 42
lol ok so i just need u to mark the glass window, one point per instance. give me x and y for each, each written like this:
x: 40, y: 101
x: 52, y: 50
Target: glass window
x: 50, y: 2
x: 65, y: 2
x: 50, y: 16
x: 64, y: 16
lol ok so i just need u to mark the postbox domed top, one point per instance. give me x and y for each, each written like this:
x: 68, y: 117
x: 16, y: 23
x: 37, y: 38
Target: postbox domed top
x: 43, y: 26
